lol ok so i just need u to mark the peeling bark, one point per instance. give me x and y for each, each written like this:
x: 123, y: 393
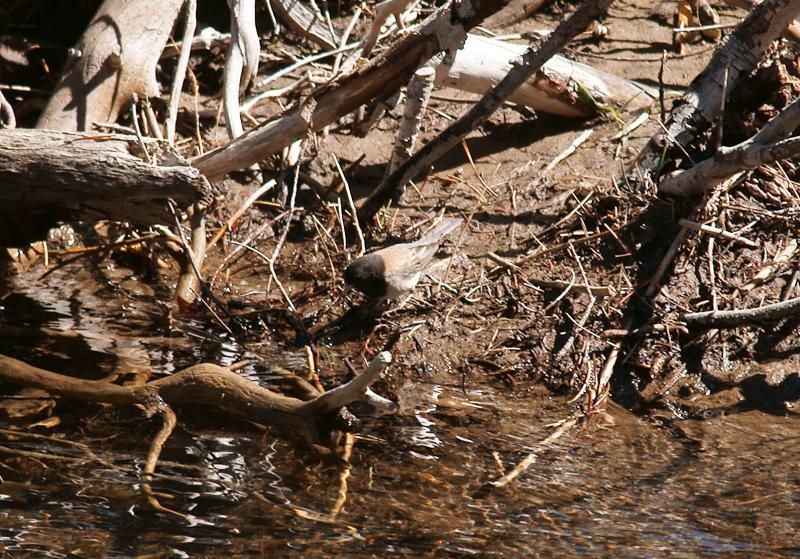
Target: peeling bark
x: 47, y: 177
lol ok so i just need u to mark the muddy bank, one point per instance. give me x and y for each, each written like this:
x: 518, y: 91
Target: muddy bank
x: 691, y: 456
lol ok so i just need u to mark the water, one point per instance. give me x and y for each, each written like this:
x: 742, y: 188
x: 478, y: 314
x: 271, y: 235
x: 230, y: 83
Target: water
x: 416, y: 485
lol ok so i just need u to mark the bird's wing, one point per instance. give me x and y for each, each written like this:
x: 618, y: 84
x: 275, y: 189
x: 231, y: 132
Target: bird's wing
x: 409, y: 258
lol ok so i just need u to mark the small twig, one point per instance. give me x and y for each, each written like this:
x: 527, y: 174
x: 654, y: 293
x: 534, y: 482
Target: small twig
x: 572, y: 148
x: 282, y: 239
x: 734, y: 318
x: 704, y: 27
x: 362, y: 245
x: 717, y: 232
x: 345, y: 36
x: 238, y: 213
x: 139, y: 138
x: 303, y: 62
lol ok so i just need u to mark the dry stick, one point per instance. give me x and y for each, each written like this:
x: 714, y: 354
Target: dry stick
x: 337, y: 63
x: 717, y: 232
x: 241, y: 63
x: 530, y: 63
x: 767, y: 146
x: 739, y: 53
x: 138, y: 131
x: 279, y: 245
x: 152, y: 121
x: 238, y: 213
x: 418, y: 93
x: 187, y: 288
x: 442, y: 30
x: 303, y: 62
x: 572, y: 148
x: 190, y: 21
x: 362, y: 246
x: 734, y: 318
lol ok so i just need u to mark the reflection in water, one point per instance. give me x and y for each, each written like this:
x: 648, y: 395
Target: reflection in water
x: 723, y: 487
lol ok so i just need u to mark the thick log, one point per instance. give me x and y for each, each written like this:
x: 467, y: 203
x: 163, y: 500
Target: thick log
x: 47, y: 177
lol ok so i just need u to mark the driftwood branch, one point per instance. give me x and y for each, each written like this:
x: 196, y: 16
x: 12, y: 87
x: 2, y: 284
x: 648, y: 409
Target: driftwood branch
x: 556, y: 89
x: 765, y: 147
x: 735, y: 59
x: 446, y: 29
x: 531, y: 62
x: 209, y: 386
x: 734, y: 318
x: 47, y: 177
x: 189, y: 24
x: 241, y: 63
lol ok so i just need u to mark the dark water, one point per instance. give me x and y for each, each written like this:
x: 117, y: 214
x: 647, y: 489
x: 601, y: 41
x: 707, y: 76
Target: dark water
x: 416, y: 484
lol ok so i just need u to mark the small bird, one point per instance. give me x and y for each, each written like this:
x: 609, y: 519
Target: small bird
x: 391, y: 272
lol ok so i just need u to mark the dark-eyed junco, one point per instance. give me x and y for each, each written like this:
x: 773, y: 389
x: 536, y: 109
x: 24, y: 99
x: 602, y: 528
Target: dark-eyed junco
x: 393, y: 271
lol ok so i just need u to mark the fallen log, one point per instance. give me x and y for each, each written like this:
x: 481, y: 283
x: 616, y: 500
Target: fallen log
x: 47, y: 177
x: 559, y: 88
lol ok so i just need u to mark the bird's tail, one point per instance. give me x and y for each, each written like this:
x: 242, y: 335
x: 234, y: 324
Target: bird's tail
x: 435, y: 235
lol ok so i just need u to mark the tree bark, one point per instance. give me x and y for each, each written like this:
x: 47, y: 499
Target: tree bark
x: 47, y: 177
x: 115, y: 58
